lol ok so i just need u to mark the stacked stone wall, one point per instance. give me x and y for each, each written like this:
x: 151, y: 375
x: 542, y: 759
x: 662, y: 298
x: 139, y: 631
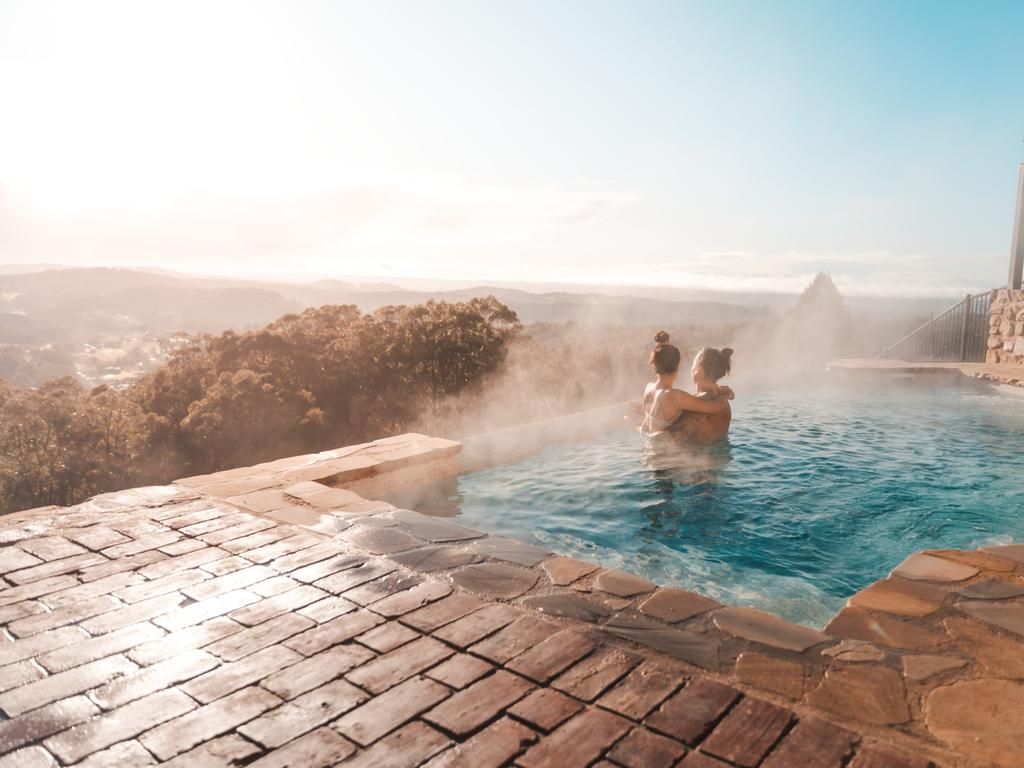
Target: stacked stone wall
x: 1006, y: 328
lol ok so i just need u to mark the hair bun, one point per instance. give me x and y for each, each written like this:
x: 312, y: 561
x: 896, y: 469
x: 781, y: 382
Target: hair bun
x: 661, y: 337
x: 726, y: 352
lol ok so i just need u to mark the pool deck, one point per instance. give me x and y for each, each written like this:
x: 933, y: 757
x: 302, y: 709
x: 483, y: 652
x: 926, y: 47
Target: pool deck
x: 998, y: 373
x: 256, y: 617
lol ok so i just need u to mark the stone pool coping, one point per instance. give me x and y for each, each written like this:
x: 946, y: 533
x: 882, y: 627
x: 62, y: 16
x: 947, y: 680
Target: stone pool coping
x: 925, y: 662
x: 1001, y: 374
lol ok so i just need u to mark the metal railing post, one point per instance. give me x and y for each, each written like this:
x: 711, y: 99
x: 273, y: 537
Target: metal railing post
x: 963, y: 328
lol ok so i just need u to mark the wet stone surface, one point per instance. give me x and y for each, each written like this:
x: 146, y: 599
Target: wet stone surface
x: 675, y: 605
x: 160, y: 625
x: 992, y: 589
x: 436, y: 558
x: 570, y: 606
x: 623, y: 584
x: 510, y: 550
x: 431, y: 528
x: 495, y: 580
x: 764, y: 628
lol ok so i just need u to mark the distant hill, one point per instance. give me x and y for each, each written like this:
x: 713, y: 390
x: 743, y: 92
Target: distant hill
x: 71, y: 304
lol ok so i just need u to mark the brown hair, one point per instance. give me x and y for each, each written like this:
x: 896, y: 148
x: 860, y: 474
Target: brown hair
x: 715, y: 362
x: 665, y: 357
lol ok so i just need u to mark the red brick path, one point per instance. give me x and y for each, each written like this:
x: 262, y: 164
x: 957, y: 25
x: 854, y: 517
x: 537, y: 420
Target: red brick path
x: 161, y: 627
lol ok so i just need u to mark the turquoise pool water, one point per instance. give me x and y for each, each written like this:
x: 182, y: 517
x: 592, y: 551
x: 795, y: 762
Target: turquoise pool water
x: 817, y: 494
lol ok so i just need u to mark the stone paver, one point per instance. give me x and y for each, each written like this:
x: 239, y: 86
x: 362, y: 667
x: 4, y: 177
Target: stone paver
x: 931, y: 568
x: 748, y: 732
x: 675, y: 605
x: 596, y: 673
x: 690, y: 715
x: 484, y: 700
x: 546, y: 709
x: 867, y: 693
x: 642, y: 748
x: 900, y: 596
x: 958, y: 713
x: 623, y: 584
x: 566, y: 570
x: 1001, y: 655
x: 577, y: 742
x: 495, y: 580
x: 510, y: 550
x: 191, y: 633
x: 642, y: 690
x: 491, y: 748
x: 771, y: 674
x: 764, y: 628
x: 813, y: 743
x: 1008, y: 616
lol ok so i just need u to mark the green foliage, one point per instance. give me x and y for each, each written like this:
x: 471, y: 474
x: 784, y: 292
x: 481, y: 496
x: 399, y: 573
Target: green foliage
x: 59, y: 443
x: 323, y: 378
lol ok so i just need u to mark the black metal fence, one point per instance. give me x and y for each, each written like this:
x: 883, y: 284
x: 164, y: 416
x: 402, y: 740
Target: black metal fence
x: 960, y: 334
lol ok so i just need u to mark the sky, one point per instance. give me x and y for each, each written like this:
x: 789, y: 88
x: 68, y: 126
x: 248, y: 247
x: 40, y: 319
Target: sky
x: 719, y: 144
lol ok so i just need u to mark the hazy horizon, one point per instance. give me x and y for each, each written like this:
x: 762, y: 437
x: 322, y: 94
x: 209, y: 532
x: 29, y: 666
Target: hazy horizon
x: 738, y: 148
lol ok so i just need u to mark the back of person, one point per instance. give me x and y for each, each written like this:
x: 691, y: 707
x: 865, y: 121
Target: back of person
x: 701, y: 417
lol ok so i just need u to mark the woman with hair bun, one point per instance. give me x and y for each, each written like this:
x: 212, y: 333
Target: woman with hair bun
x: 703, y: 417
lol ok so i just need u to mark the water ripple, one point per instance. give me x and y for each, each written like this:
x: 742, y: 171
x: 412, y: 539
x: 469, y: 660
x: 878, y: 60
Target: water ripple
x: 816, y: 495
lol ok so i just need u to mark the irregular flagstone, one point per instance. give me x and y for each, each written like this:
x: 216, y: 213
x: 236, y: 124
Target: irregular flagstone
x: 429, y: 559
x: 1014, y: 552
x: 433, y: 529
x: 675, y: 605
x: 992, y: 589
x: 862, y: 624
x: 866, y: 693
x: 960, y: 712
x: 568, y: 605
x: 771, y: 674
x: 511, y: 550
x: 495, y: 579
x: 381, y: 541
x: 156, y: 551
x: 767, y: 629
x: 1006, y: 615
x: 986, y: 561
x: 1001, y: 656
x: 920, y: 566
x: 697, y: 648
x: 854, y: 650
x: 623, y: 584
x: 920, y: 668
x: 565, y: 570
x: 896, y: 595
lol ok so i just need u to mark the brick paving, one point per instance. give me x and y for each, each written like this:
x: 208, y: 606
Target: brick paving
x: 166, y: 625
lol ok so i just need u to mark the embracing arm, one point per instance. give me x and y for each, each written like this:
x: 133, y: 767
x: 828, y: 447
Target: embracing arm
x: 684, y: 401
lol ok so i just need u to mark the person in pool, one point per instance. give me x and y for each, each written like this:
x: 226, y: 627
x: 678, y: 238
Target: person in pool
x: 698, y: 419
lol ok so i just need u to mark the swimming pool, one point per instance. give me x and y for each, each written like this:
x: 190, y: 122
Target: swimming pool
x: 817, y: 494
